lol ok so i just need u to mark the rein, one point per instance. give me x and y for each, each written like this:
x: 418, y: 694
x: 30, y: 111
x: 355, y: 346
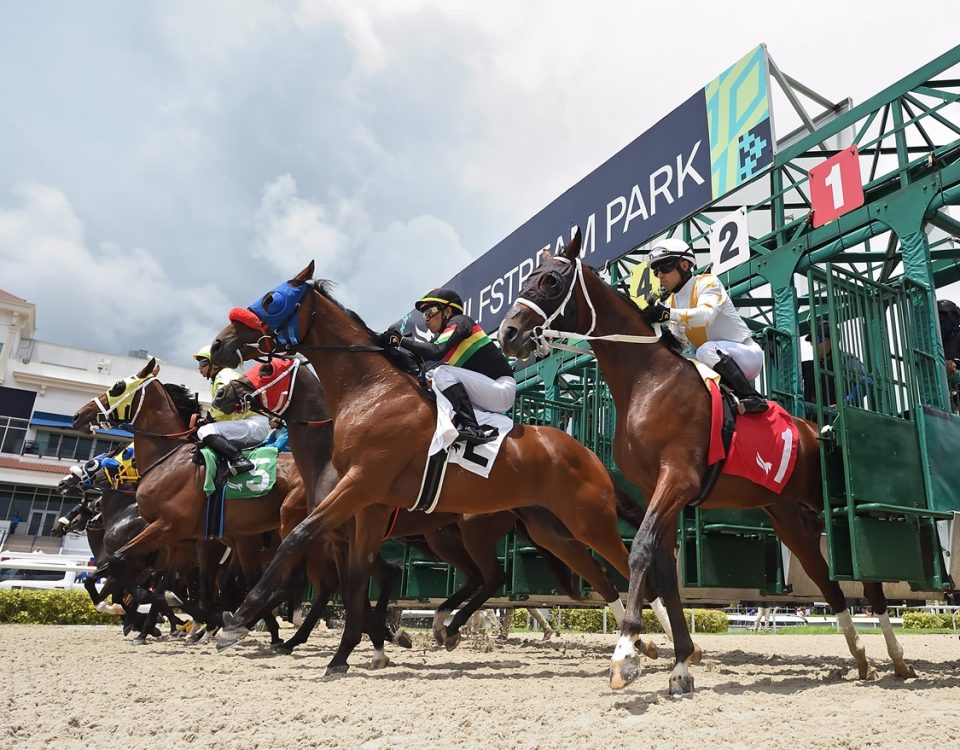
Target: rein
x: 159, y: 461
x: 545, y: 338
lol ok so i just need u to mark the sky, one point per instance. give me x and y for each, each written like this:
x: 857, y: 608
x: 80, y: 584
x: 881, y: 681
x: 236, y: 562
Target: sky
x: 162, y: 162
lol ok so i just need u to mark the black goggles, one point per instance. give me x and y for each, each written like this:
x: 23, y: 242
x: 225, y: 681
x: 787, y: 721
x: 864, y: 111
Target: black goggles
x: 664, y: 266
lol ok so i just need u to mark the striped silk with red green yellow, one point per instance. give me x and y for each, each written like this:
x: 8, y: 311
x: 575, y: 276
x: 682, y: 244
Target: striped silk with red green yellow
x: 460, y: 354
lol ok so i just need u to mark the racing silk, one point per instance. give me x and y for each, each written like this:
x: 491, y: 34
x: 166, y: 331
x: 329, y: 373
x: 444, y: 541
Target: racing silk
x: 702, y: 311
x: 464, y: 344
x: 219, y: 380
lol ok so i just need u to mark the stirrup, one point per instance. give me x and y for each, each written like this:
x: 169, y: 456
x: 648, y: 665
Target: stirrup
x: 242, y: 465
x: 478, y: 436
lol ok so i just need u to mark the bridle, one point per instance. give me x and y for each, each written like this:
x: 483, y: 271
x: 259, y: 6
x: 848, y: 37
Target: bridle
x: 106, y: 411
x: 546, y: 338
x: 256, y: 400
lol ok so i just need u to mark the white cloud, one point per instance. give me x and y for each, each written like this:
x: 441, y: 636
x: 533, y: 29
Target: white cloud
x: 104, y: 297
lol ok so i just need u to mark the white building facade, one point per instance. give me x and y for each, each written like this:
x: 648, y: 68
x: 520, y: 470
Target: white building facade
x: 41, y: 386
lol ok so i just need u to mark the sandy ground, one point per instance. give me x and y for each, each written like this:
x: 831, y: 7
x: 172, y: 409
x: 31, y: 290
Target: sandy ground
x: 80, y: 687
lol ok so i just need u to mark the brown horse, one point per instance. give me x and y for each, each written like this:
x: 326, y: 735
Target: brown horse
x: 384, y: 422
x: 469, y: 543
x: 170, y: 493
x: 661, y: 446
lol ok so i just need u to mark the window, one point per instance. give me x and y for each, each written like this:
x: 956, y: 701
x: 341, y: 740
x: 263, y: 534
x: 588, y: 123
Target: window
x: 12, y: 434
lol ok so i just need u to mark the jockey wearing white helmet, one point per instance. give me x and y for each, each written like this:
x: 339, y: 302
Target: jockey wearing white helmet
x: 227, y: 433
x: 701, y: 314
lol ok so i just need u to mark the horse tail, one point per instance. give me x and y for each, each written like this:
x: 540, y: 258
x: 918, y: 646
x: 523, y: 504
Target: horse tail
x: 627, y: 507
x: 568, y: 580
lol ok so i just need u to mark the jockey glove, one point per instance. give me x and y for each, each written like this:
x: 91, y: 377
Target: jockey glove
x: 656, y: 313
x: 390, y: 338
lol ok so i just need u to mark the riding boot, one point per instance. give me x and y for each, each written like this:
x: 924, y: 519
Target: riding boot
x: 237, y: 463
x: 470, y: 430
x: 751, y: 402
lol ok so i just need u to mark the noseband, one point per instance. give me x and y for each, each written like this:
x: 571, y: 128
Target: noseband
x: 544, y: 337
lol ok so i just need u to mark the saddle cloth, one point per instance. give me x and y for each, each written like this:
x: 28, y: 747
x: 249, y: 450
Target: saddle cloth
x: 763, y: 448
x: 252, y: 484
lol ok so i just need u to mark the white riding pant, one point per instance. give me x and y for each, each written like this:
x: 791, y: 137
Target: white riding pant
x: 244, y: 432
x: 748, y: 355
x: 485, y: 394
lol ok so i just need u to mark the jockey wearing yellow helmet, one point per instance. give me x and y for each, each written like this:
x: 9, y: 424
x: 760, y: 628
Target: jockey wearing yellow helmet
x: 701, y: 314
x: 228, y: 433
x: 471, y: 370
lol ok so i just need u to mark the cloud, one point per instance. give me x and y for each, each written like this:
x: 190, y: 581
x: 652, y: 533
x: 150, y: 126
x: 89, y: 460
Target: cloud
x: 379, y: 272
x: 104, y: 297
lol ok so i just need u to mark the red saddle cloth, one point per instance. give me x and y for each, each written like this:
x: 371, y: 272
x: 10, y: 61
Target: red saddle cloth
x: 763, y: 448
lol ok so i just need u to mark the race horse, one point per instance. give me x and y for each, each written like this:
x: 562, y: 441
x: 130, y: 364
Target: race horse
x: 170, y: 494
x: 661, y: 445
x: 282, y: 387
x: 384, y: 421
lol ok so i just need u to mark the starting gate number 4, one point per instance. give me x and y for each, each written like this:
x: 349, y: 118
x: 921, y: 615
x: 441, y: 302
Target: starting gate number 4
x: 836, y: 186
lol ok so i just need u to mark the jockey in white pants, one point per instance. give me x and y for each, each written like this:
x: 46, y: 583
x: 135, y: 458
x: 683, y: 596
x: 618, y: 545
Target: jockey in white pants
x: 228, y: 433
x: 700, y: 313
x: 474, y: 371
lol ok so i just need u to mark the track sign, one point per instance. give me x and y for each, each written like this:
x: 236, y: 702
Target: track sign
x: 729, y: 241
x: 643, y: 283
x: 836, y: 186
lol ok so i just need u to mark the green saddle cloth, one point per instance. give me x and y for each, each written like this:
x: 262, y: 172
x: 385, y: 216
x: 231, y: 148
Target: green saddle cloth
x: 255, y: 483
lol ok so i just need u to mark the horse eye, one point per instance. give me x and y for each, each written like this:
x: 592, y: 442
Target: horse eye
x: 118, y: 388
x: 268, y: 301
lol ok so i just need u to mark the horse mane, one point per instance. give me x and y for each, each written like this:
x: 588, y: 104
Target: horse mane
x: 184, y: 400
x: 666, y: 337
x: 398, y: 359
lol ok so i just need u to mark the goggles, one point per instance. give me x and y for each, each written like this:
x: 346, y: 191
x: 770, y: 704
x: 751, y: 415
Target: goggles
x: 664, y: 266
x: 430, y: 313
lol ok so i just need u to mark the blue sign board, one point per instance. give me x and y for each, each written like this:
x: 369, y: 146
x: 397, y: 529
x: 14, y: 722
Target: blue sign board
x: 716, y: 140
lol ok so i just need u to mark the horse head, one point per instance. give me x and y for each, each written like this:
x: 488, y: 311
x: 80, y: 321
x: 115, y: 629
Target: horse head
x: 120, y: 403
x: 547, y: 297
x: 275, y: 321
x: 267, y: 385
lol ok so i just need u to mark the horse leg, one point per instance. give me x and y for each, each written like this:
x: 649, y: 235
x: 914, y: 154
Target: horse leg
x: 581, y: 562
x: 873, y: 591
x: 666, y: 561
x: 369, y: 525
x: 675, y: 487
x: 386, y: 576
x: 344, y: 501
x: 323, y: 574
x: 446, y: 544
x: 799, y: 528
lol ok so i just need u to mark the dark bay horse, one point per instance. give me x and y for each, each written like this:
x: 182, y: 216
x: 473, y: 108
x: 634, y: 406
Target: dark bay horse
x: 384, y: 422
x: 661, y: 441
x: 469, y: 542
x: 170, y: 493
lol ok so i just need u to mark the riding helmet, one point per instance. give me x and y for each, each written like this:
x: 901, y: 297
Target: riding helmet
x: 439, y: 298
x: 671, y: 247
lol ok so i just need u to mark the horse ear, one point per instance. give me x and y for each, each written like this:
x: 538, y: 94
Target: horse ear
x: 149, y: 369
x: 572, y: 249
x: 305, y: 275
x: 544, y: 256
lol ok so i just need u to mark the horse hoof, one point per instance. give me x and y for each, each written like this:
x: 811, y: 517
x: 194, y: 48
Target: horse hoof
x: 402, y: 639
x: 283, y: 648
x: 681, y: 685
x: 451, y: 641
x: 336, y: 670
x: 623, y: 672
x: 230, y: 637
x: 647, y: 648
x: 380, y: 662
x: 870, y: 675
x: 440, y: 634
x: 904, y: 671
x: 697, y: 654
x: 139, y: 641
x: 549, y: 636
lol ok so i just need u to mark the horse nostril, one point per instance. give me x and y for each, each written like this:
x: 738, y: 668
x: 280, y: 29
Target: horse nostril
x: 509, y: 333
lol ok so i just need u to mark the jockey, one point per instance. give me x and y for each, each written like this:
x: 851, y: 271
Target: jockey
x: 700, y: 313
x: 474, y: 371
x: 228, y: 433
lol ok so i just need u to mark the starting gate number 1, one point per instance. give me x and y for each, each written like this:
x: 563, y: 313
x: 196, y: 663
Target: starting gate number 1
x: 836, y: 186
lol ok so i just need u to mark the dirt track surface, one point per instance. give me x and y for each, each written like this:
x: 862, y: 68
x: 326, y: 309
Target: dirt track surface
x: 81, y: 687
